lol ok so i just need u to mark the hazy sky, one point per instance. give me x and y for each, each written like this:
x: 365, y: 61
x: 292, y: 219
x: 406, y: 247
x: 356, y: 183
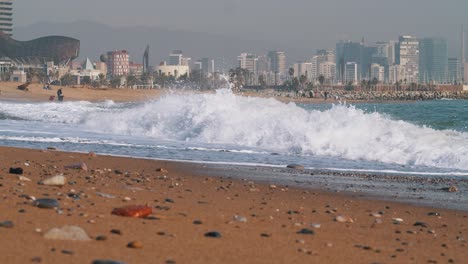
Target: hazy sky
x: 317, y: 23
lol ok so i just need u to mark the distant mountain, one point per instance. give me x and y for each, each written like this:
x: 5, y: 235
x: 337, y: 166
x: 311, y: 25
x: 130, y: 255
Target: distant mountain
x: 98, y: 38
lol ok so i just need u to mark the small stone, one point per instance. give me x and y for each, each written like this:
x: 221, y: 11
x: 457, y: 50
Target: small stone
x: 136, y: 211
x: 51, y: 148
x: 116, y: 231
x: 78, y: 166
x: 265, y: 235
x: 422, y: 224
x: 433, y: 214
x: 74, y: 196
x: 127, y: 199
x: 17, y: 171
x: 67, y: 252
x: 106, y: 261
x: 7, y: 224
x: 315, y: 226
x: 162, y: 170
x: 58, y: 180
x: 306, y: 231
x: 344, y: 219
x: 213, y: 234
x: 295, y: 167
x: 22, y: 178
x: 197, y: 222
x: 36, y: 260
x: 453, y: 189
x: 46, y: 203
x: 73, y: 233
x: 168, y: 200
x: 105, y: 195
x: 397, y: 221
x: 272, y: 186
x: 118, y: 172
x: 101, y: 238
x: 135, y: 244
x: 239, y: 218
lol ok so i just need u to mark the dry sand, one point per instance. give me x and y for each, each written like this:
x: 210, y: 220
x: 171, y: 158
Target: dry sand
x: 274, y: 216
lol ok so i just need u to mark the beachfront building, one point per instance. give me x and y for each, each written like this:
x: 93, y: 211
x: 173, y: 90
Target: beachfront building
x: 321, y: 57
x: 6, y: 17
x: 135, y: 69
x: 328, y: 70
x: 386, y: 50
x: 277, y: 62
x: 433, y: 60
x: 408, y: 58
x: 248, y: 62
x: 205, y: 65
x: 118, y: 63
x: 347, y: 52
x: 454, y: 73
x: 303, y: 69
x: 351, y: 73
x: 396, y: 74
x: 175, y: 71
x: 86, y: 70
x: 377, y: 72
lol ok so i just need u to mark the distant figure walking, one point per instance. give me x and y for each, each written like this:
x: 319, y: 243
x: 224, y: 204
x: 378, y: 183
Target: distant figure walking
x: 59, y: 95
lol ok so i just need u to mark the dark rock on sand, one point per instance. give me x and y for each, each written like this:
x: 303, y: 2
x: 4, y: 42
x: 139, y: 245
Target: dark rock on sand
x: 7, y: 224
x: 197, y: 222
x: 213, y: 234
x: 106, y: 261
x: 46, y: 203
x: 116, y: 231
x: 135, y: 244
x: 306, y: 231
x: 422, y: 224
x: 17, y: 171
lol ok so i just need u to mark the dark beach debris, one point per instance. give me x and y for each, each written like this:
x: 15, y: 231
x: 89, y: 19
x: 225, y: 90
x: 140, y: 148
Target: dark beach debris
x: 451, y: 189
x: 135, y: 244
x: 17, y: 171
x: 7, y: 224
x: 101, y: 238
x: 67, y: 252
x: 107, y: 261
x: 197, y: 222
x: 421, y: 224
x: 265, y: 235
x: 77, y: 166
x: 46, y: 203
x: 116, y: 231
x: 213, y: 234
x: 136, y: 211
x: 433, y: 214
x: 169, y: 200
x: 295, y: 167
x: 306, y: 231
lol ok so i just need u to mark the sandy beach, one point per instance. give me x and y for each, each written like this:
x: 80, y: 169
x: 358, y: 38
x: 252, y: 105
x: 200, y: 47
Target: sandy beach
x: 255, y: 222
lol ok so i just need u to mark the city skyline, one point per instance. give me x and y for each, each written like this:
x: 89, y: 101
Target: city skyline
x: 292, y: 25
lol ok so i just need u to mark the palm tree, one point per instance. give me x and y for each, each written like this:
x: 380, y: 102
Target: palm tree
x: 302, y: 81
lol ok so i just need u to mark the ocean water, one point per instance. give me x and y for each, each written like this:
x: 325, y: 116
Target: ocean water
x: 416, y: 138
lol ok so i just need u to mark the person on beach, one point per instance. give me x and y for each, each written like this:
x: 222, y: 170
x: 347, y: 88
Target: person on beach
x: 60, y: 95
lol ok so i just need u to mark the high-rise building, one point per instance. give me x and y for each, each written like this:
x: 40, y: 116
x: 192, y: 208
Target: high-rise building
x: 278, y: 62
x: 6, y: 17
x: 347, y: 51
x: 351, y: 73
x: 454, y: 73
x: 146, y: 67
x: 328, y: 70
x: 303, y: 68
x: 206, y: 65
x: 118, y: 63
x: 433, y: 60
x: 408, y: 48
x: 248, y: 62
x: 377, y: 72
x: 263, y: 64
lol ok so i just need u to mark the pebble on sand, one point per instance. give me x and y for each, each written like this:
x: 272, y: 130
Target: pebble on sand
x: 135, y: 244
x: 22, y: 178
x: 137, y: 211
x: 17, y: 171
x: 344, y: 219
x: 46, y: 203
x: 7, y: 224
x: 306, y: 231
x: 68, y: 232
x: 213, y: 234
x: 58, y: 180
x: 77, y: 166
x: 107, y: 261
x: 239, y: 218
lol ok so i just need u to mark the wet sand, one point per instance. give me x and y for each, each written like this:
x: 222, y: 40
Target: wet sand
x: 275, y: 224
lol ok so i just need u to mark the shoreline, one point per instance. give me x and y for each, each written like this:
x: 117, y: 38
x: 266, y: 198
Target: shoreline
x: 275, y: 223
x: 10, y: 93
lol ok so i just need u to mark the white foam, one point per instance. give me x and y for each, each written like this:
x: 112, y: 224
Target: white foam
x: 266, y: 124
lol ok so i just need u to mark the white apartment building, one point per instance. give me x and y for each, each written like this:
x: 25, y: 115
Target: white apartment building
x: 377, y: 72
x: 328, y: 70
x: 6, y: 17
x: 396, y: 74
x: 303, y: 68
x: 409, y: 58
x: 248, y: 62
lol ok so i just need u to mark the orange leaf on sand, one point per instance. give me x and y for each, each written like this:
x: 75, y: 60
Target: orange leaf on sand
x: 137, y: 211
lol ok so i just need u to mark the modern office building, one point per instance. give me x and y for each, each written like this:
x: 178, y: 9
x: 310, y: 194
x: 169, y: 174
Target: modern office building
x: 263, y: 64
x: 347, y: 51
x: 278, y: 62
x: 328, y: 70
x: 408, y: 58
x: 303, y: 68
x: 6, y: 17
x: 248, y: 62
x: 433, y: 60
x: 377, y: 72
x: 118, y: 63
x: 396, y: 74
x: 454, y: 72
